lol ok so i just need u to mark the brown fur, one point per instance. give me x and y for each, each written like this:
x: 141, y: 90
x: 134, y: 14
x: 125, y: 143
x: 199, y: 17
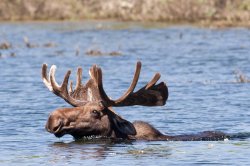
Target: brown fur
x: 97, y: 120
x: 92, y: 119
x: 145, y: 131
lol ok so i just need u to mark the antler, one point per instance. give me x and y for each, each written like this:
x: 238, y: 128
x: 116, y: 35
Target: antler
x: 62, y: 90
x: 149, y: 95
x: 92, y: 91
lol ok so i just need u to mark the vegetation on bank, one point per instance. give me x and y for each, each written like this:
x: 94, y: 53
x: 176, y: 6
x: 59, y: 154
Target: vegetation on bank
x: 225, y: 12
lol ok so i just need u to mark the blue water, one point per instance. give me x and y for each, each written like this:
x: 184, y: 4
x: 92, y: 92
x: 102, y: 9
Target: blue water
x: 197, y: 64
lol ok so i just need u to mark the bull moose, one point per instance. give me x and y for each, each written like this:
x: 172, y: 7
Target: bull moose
x: 92, y: 113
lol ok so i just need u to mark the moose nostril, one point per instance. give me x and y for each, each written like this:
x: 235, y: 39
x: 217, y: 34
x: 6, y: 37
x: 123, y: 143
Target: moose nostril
x: 54, y: 125
x: 55, y: 128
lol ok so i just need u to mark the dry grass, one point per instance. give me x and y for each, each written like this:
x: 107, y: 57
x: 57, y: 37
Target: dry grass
x: 226, y: 12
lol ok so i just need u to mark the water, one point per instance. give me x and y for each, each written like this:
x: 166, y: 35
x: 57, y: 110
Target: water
x: 197, y: 64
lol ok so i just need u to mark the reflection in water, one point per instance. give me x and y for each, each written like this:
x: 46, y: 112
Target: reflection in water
x: 97, y: 148
x: 101, y: 149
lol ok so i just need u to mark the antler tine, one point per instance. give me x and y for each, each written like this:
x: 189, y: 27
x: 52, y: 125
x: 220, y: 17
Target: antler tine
x: 64, y: 86
x: 100, y: 87
x: 53, y: 82
x: 62, y: 90
x: 132, y: 85
x: 96, y: 73
x: 79, y: 79
x: 151, y: 83
x: 45, y: 77
x: 71, y: 87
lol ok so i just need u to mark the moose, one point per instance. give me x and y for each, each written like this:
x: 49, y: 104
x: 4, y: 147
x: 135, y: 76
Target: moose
x: 92, y: 113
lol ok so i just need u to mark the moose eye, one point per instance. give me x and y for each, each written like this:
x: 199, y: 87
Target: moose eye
x: 96, y: 113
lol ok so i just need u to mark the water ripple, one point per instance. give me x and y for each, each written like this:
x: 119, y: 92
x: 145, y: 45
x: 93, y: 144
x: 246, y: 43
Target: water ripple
x: 198, y: 68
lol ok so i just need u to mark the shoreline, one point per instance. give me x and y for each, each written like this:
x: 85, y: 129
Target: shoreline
x: 204, y: 13
x: 202, y: 24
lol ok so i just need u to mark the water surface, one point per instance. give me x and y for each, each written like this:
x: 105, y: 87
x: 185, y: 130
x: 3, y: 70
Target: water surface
x: 197, y: 64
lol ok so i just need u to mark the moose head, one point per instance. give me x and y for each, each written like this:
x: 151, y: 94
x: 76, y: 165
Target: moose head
x: 92, y: 112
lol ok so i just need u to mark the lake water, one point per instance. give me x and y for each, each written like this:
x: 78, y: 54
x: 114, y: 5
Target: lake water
x: 198, y: 65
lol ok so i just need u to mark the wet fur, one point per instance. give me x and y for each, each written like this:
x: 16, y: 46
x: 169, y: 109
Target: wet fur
x: 145, y: 131
x: 97, y: 120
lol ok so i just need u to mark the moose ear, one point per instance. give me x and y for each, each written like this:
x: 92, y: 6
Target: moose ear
x: 123, y: 126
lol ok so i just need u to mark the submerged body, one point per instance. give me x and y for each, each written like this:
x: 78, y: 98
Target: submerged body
x: 145, y: 131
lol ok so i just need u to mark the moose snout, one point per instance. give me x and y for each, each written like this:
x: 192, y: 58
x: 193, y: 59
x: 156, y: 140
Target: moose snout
x: 54, y: 124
